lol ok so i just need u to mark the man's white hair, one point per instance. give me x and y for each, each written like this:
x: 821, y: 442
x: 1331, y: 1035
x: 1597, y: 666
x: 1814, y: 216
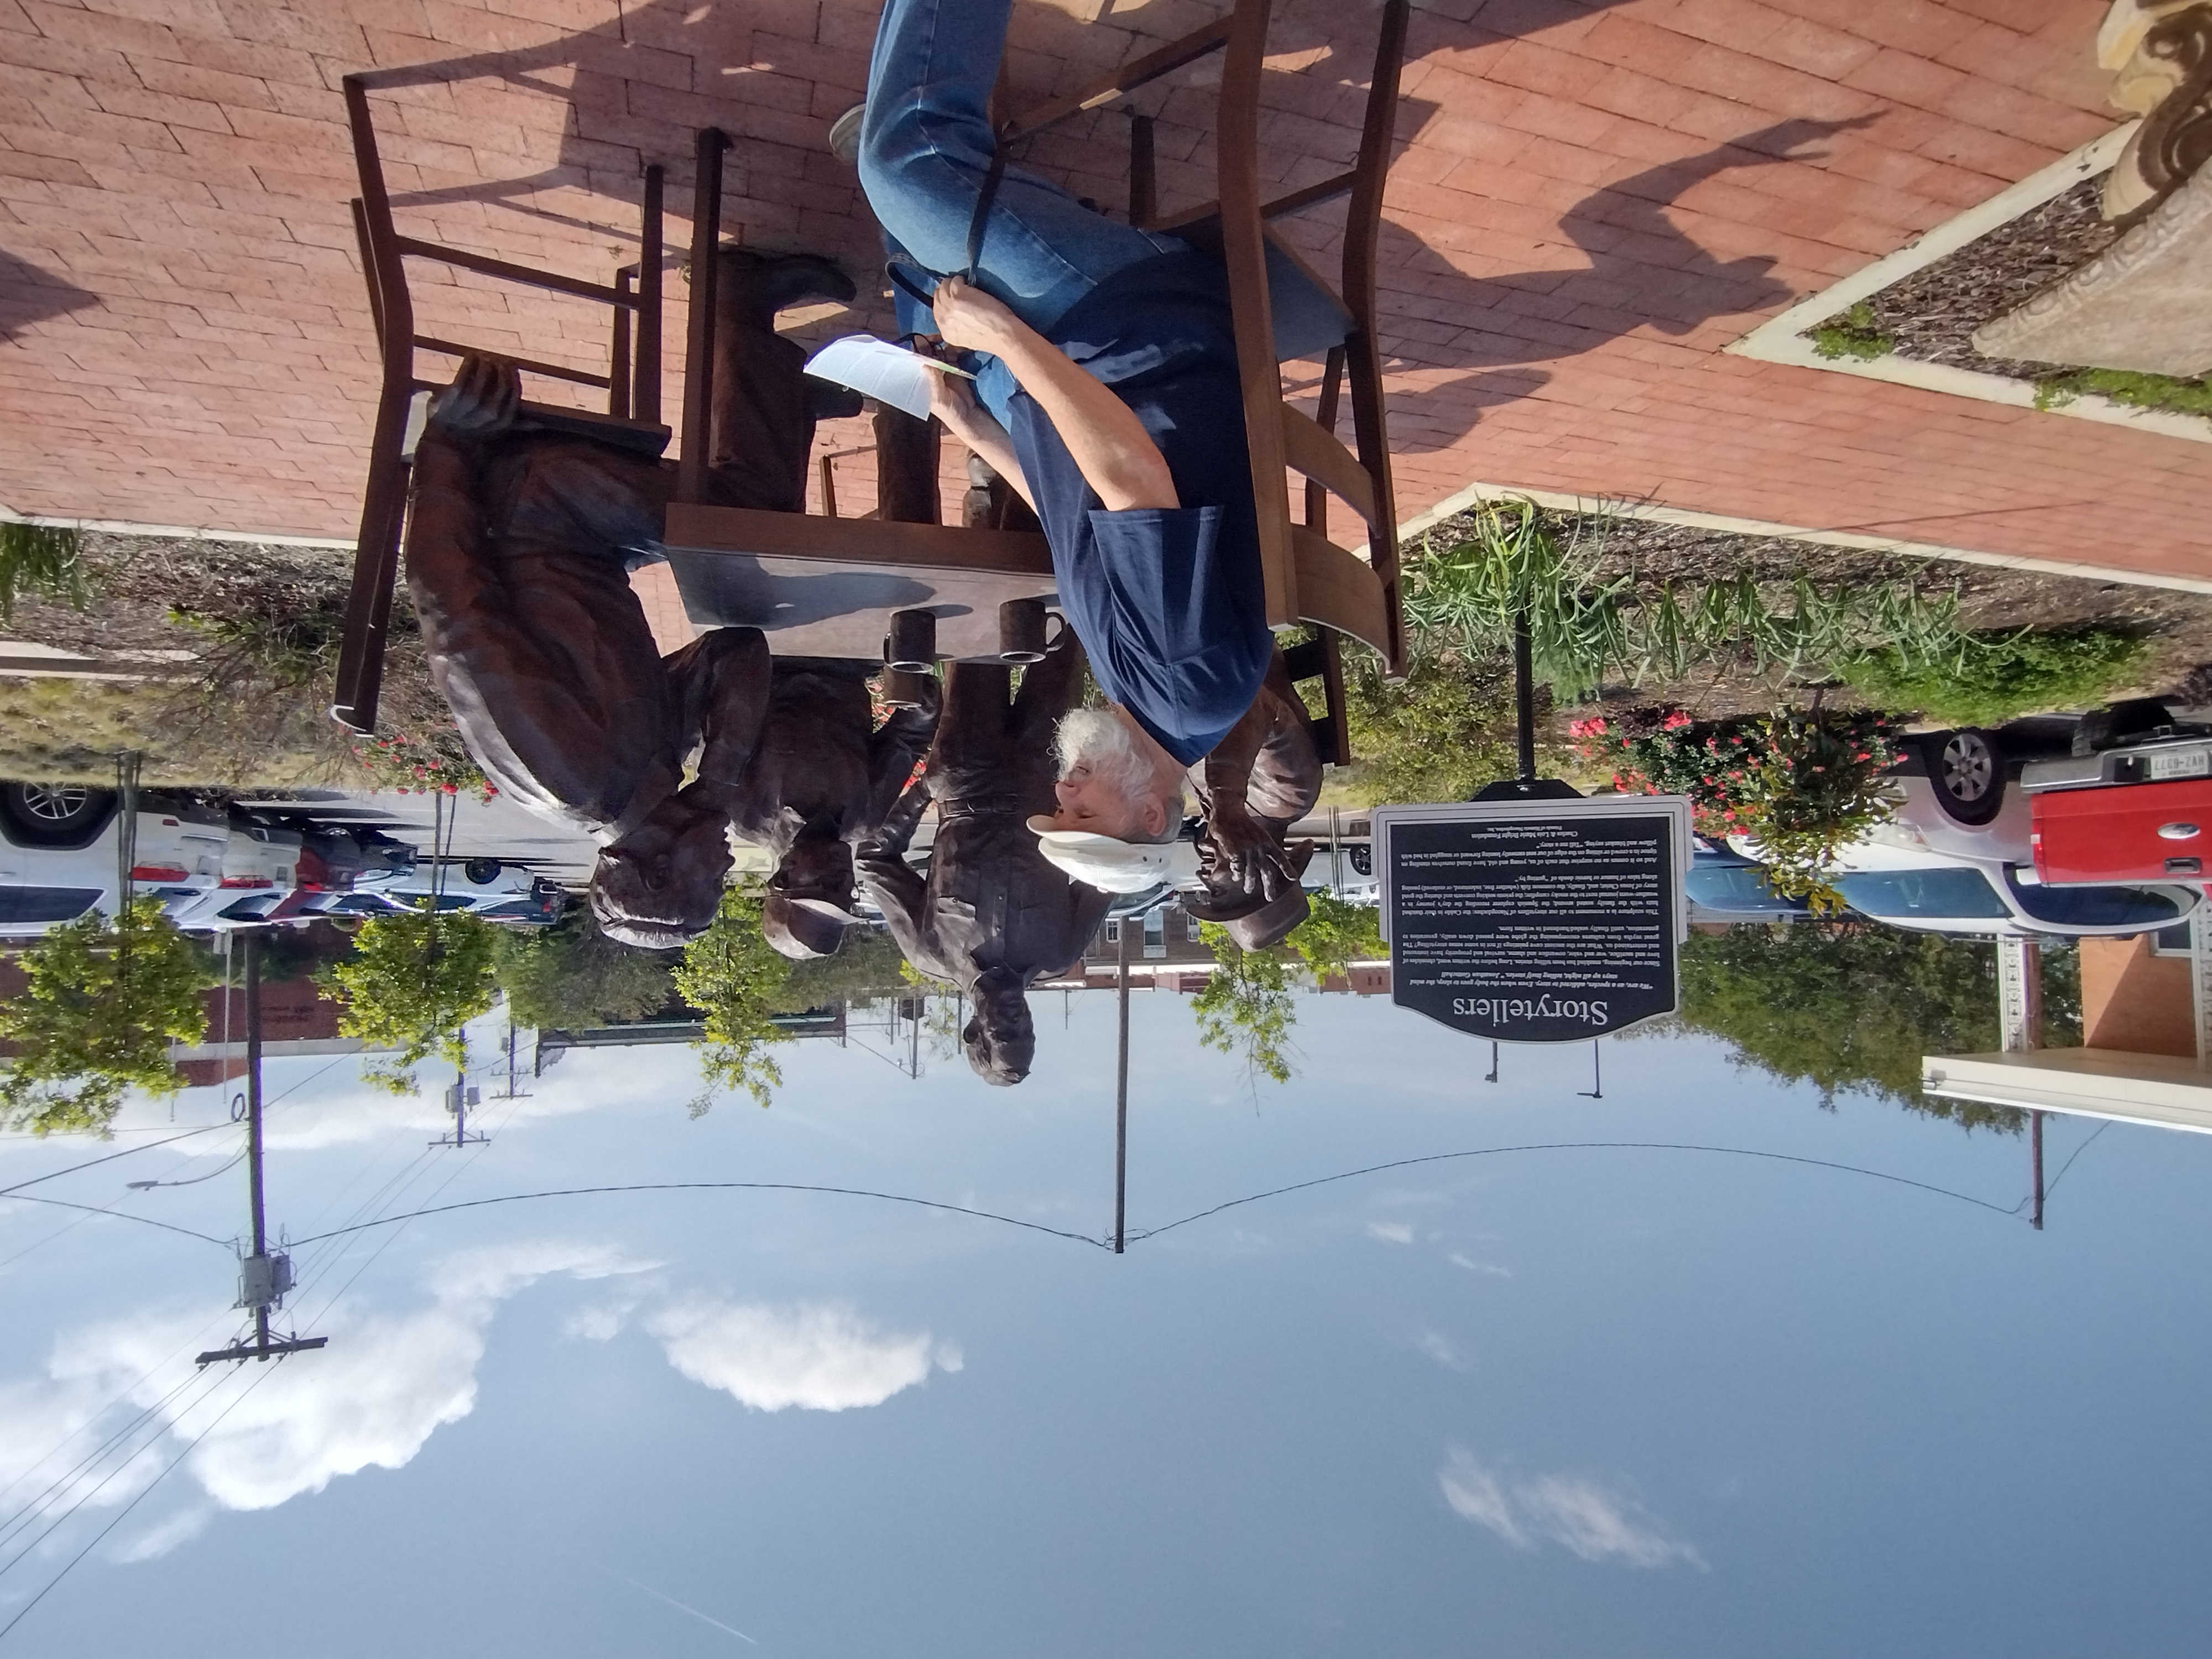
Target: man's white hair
x: 1095, y: 739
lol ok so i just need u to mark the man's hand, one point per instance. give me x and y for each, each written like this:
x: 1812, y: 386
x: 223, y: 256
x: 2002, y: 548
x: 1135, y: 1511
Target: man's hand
x: 481, y: 401
x: 971, y: 319
x: 952, y: 400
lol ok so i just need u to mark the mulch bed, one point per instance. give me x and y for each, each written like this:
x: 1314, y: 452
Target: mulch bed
x: 1933, y: 313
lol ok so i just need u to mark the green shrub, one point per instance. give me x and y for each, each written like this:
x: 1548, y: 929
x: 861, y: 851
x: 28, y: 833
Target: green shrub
x: 1439, y: 734
x: 2126, y: 386
x: 1467, y: 597
x: 42, y: 559
x: 2001, y: 675
x: 1852, y: 334
x: 1805, y: 784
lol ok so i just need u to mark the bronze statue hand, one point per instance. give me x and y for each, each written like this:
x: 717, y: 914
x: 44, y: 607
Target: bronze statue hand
x: 1244, y: 855
x: 481, y: 401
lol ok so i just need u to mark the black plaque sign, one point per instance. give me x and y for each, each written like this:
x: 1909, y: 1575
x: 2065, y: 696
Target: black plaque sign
x: 1549, y: 921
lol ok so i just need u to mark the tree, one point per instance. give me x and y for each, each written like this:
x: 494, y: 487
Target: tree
x: 735, y: 979
x: 865, y: 968
x: 1246, y: 1008
x: 1439, y: 734
x: 571, y: 974
x: 1336, y: 933
x: 411, y: 983
x: 1851, y: 1008
x: 104, y: 1002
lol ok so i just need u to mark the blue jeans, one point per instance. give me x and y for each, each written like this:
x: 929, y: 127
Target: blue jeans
x: 926, y: 145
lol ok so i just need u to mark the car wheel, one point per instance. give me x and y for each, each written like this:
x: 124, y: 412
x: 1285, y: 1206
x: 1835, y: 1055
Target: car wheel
x: 1967, y: 774
x: 2107, y: 728
x: 1363, y: 858
x: 63, y: 815
x: 482, y: 872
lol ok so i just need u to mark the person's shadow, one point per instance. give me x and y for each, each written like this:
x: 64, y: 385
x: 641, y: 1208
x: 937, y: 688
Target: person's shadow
x: 29, y: 296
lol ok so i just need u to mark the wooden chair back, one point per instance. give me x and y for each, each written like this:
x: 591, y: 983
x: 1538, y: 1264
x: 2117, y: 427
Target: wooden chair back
x: 632, y: 383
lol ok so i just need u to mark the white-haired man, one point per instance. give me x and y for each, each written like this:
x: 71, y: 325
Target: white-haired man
x: 1119, y: 785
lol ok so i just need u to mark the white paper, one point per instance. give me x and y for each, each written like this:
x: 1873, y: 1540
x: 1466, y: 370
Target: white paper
x: 877, y: 369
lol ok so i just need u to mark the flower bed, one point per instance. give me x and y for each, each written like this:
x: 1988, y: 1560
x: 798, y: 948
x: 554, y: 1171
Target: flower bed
x: 1802, y: 784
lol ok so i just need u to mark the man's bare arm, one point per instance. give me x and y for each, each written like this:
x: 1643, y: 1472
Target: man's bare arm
x: 1109, y: 445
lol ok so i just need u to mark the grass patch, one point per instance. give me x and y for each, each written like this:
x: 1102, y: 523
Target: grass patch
x: 2003, y: 674
x: 2164, y: 393
x: 1852, y: 334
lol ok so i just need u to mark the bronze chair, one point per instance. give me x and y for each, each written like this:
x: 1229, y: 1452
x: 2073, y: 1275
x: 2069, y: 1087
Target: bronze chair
x: 632, y: 383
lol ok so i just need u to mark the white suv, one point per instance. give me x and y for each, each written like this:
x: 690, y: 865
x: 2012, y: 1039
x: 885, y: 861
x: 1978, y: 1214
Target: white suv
x: 58, y: 846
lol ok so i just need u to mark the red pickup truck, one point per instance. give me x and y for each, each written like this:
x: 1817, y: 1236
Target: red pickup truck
x: 2134, y: 804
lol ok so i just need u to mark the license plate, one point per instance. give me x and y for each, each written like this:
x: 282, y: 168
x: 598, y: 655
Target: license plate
x: 2179, y: 764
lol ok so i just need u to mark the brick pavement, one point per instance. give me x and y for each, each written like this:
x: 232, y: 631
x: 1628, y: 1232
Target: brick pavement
x: 1591, y: 201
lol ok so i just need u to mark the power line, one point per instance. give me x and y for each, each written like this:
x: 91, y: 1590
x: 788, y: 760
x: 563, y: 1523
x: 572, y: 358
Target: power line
x: 715, y: 1185
x: 62, y: 1519
x: 122, y: 1215
x: 133, y: 1504
x: 29, y: 1509
x: 1586, y: 1146
x: 128, y: 1152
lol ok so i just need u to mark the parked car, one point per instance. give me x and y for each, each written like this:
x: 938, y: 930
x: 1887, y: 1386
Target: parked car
x: 2133, y: 802
x: 58, y: 848
x: 1958, y: 856
x: 494, y: 890
x: 1724, y: 885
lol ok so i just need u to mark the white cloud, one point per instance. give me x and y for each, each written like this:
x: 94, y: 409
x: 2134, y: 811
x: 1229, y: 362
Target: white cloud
x: 373, y: 1397
x: 813, y: 1356
x: 1594, y: 1521
x: 1439, y: 1347
x: 1460, y: 1259
x: 1390, y: 1232
x: 165, y: 1535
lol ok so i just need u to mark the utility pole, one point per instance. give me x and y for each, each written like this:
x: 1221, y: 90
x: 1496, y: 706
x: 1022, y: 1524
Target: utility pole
x: 515, y: 1091
x: 1121, y: 1095
x: 2035, y: 1162
x: 263, y: 1279
x: 460, y: 1096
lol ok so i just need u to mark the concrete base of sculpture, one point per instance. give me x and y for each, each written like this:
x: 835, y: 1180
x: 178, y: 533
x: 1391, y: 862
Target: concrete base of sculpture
x: 2144, y: 303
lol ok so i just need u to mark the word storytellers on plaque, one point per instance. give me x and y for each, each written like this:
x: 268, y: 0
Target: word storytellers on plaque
x: 1535, y: 921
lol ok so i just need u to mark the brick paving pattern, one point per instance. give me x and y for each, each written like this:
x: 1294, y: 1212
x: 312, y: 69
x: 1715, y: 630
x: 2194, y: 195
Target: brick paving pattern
x: 1590, y: 200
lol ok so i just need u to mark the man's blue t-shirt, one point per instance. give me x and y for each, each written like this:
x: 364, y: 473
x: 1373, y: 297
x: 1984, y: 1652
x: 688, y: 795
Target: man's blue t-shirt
x: 1167, y: 602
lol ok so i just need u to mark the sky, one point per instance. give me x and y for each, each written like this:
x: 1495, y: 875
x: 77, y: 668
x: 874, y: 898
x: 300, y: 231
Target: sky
x: 1599, y: 1398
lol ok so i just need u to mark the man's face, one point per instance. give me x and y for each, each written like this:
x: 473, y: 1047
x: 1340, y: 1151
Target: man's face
x: 1088, y: 802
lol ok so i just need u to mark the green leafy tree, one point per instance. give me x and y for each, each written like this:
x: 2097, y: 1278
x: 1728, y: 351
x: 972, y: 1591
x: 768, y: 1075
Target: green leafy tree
x: 411, y: 983
x: 1336, y: 933
x: 1850, y: 1008
x: 1246, y: 1008
x: 104, y: 1002
x: 866, y: 968
x: 571, y: 974
x: 732, y: 977
x: 1439, y: 734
